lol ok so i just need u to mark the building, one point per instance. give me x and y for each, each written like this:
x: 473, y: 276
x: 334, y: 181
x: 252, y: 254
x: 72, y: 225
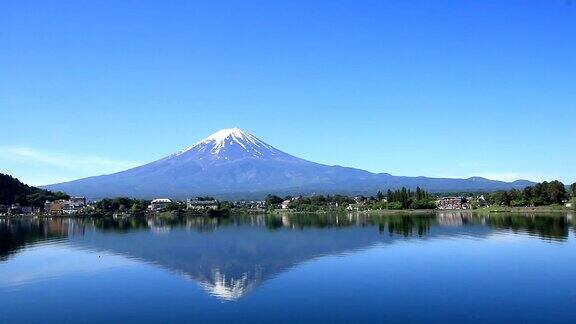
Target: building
x: 78, y: 201
x: 74, y: 205
x: 482, y: 201
x: 201, y: 205
x: 29, y: 210
x: 286, y: 203
x: 159, y: 204
x: 453, y: 203
x: 69, y: 208
x: 253, y: 205
x: 47, y: 205
x: 359, y: 199
x: 57, y: 206
x: 15, y: 209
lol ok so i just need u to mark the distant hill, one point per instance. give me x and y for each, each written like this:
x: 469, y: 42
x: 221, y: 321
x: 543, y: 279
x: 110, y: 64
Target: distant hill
x: 234, y: 164
x: 13, y: 191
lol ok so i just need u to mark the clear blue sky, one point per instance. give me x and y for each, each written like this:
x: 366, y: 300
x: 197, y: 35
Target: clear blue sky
x: 435, y: 88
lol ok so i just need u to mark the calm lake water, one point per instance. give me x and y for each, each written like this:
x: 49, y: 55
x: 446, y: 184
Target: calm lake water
x: 448, y: 267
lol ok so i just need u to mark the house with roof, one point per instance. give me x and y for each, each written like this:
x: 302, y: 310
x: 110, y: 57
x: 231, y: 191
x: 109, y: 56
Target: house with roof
x: 159, y: 204
x: 453, y: 203
x: 285, y: 204
x: 201, y: 205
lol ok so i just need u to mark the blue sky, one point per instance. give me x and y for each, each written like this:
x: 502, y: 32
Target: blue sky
x: 435, y: 88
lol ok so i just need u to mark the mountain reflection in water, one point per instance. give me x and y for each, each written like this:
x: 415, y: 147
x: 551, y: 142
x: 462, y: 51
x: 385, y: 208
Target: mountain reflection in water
x: 229, y: 257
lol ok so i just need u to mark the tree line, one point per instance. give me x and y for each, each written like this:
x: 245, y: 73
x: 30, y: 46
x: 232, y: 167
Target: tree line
x: 540, y: 194
x: 407, y: 199
x: 312, y: 203
x: 12, y: 191
x: 403, y: 198
x: 110, y: 205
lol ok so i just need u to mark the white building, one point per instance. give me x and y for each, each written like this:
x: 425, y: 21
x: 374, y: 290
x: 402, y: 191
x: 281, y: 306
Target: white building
x: 69, y: 208
x: 74, y: 205
x: 200, y: 205
x: 159, y: 204
x: 285, y: 204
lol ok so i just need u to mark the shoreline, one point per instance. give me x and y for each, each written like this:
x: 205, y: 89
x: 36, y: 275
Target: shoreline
x: 484, y: 210
x: 540, y: 209
x: 377, y: 212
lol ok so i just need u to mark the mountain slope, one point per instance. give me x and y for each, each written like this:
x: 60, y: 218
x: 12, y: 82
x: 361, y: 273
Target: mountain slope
x: 234, y: 164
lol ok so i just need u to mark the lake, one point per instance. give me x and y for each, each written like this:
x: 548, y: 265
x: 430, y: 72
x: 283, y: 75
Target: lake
x: 445, y: 267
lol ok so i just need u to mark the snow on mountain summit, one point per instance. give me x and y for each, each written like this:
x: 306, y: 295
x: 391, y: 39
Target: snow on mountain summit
x: 221, y: 135
x: 232, y: 143
x: 233, y: 136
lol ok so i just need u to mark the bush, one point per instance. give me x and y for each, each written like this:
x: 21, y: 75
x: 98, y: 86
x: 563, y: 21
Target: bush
x: 396, y: 205
x: 423, y: 204
x: 518, y: 203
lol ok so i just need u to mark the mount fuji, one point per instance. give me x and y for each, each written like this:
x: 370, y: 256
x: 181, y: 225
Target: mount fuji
x: 234, y: 164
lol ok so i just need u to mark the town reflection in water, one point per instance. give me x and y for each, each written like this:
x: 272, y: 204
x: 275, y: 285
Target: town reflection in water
x: 229, y: 257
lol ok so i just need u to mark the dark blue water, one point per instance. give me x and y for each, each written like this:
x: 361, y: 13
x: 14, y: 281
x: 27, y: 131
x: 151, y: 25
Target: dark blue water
x: 449, y: 267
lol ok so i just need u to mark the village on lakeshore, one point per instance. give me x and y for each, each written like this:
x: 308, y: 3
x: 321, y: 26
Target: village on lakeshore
x: 403, y: 199
x: 81, y: 206
x: 17, y: 198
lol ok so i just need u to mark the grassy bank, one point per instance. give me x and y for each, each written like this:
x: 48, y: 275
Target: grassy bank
x: 364, y: 212
x: 539, y: 209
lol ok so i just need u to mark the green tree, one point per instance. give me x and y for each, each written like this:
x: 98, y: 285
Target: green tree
x: 13, y: 191
x: 173, y: 207
x: 557, y: 192
x: 273, y: 200
x: 527, y: 195
x: 501, y: 198
x: 110, y: 205
x: 406, y: 198
x: 207, y: 198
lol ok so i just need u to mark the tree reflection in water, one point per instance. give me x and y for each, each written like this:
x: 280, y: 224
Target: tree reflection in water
x: 16, y: 233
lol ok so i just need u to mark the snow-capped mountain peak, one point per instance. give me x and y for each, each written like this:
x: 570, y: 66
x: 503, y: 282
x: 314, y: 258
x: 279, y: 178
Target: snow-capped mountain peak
x: 232, y: 143
x: 232, y: 136
x: 223, y: 134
